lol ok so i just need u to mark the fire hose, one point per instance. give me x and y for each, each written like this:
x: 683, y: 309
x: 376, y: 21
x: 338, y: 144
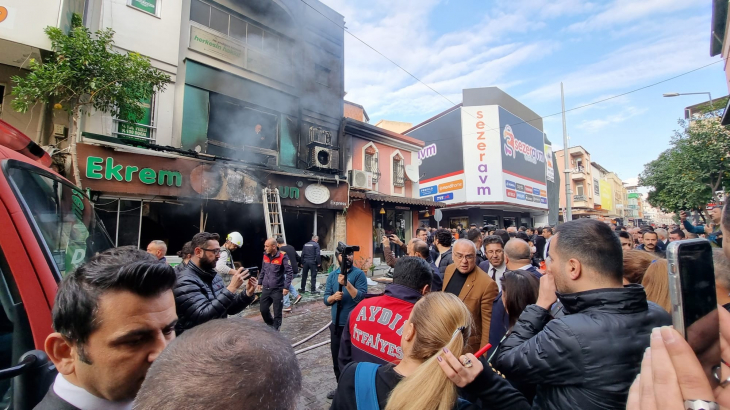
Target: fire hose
x: 310, y: 337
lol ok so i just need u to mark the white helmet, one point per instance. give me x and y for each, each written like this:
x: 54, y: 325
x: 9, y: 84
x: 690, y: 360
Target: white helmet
x: 235, y: 238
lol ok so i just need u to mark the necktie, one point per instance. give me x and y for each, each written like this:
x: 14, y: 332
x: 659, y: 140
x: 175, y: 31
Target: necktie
x: 494, y: 273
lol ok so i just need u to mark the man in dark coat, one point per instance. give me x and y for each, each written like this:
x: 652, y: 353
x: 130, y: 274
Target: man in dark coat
x: 200, y: 294
x: 112, y: 317
x: 588, y: 358
x: 311, y: 261
x: 516, y: 257
x: 442, y: 243
x: 275, y: 277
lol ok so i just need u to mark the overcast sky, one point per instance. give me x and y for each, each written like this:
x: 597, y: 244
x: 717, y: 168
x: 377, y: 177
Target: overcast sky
x: 527, y: 47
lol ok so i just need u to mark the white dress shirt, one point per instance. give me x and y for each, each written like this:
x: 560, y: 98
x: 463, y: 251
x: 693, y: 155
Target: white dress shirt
x: 78, y: 397
x: 497, y: 275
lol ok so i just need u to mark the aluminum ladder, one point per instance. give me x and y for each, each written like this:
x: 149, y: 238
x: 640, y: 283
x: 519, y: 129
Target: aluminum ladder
x: 272, y: 213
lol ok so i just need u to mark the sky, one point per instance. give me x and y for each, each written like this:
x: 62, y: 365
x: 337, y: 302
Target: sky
x: 597, y: 49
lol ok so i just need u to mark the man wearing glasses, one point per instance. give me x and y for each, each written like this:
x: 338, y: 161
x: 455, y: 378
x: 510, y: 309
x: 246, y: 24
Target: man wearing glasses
x: 474, y: 287
x: 200, y: 294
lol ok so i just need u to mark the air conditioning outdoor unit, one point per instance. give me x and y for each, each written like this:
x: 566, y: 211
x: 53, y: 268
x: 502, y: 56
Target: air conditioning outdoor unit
x: 323, y: 158
x: 361, y: 179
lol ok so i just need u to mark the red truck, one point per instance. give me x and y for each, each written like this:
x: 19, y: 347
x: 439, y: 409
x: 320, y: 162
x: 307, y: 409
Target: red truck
x: 47, y: 228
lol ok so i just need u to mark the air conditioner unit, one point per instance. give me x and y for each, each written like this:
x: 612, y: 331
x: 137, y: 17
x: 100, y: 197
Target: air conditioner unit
x: 323, y: 158
x: 361, y: 179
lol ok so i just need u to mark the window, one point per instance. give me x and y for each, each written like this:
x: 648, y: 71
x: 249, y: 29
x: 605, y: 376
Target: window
x: 16, y: 337
x: 322, y: 75
x: 579, y: 190
x: 271, y: 43
x: 398, y: 171
x: 371, y: 163
x: 219, y: 20
x: 596, y: 187
x: 200, y: 13
x: 255, y: 37
x: 148, y: 6
x: 62, y: 216
x: 238, y: 29
x: 143, y: 129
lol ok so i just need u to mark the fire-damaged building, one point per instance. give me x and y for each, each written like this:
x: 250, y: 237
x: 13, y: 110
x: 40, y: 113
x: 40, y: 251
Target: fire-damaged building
x: 256, y: 102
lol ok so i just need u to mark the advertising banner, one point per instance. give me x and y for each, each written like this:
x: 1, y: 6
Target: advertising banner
x: 549, y: 169
x: 606, y: 195
x: 504, y: 158
x: 481, y: 140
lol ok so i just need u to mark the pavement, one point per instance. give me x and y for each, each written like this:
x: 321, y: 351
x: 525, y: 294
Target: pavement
x: 308, y: 316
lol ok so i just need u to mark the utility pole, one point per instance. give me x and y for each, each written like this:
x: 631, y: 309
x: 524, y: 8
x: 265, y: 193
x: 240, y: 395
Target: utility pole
x: 566, y: 170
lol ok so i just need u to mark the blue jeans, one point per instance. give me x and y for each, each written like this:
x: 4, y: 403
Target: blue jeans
x: 293, y: 293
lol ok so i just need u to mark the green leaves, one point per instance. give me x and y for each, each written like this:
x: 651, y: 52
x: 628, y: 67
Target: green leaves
x: 86, y: 71
x: 687, y: 175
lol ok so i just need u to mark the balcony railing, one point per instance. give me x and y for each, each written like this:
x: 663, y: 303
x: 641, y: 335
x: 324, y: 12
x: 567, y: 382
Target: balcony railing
x: 579, y: 198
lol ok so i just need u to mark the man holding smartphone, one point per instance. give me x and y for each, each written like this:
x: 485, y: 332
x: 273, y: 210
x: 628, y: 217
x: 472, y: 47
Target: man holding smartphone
x: 714, y: 234
x: 588, y: 358
x: 200, y: 295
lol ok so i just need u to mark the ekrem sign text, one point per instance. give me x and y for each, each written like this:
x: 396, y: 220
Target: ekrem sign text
x: 100, y: 168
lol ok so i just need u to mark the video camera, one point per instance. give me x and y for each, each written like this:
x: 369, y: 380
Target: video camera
x: 346, y: 250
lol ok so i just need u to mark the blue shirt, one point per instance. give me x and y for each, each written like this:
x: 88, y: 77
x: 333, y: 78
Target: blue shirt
x: 358, y: 279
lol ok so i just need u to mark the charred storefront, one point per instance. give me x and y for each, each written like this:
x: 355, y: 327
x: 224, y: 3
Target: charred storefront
x: 143, y: 195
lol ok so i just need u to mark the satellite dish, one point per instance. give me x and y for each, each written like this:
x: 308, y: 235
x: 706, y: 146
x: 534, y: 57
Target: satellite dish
x: 412, y: 172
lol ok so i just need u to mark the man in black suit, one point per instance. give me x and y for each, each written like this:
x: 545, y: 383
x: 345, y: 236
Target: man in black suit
x: 516, y: 257
x: 112, y: 317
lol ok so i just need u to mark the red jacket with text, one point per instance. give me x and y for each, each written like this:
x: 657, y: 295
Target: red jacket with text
x: 375, y: 326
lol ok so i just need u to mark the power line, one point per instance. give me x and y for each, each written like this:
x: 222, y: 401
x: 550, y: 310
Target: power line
x: 521, y: 122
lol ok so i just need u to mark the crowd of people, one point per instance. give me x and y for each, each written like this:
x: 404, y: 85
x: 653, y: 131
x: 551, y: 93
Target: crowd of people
x: 572, y: 317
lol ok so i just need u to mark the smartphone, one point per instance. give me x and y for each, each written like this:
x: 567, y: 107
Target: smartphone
x: 252, y: 272
x: 694, y: 301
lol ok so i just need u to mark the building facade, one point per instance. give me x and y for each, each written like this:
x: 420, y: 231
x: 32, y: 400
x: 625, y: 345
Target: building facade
x: 583, y: 184
x: 383, y: 170
x: 256, y: 101
x: 488, y: 161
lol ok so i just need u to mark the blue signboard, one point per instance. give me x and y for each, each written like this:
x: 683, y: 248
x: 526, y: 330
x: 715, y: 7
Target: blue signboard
x: 535, y: 191
x: 543, y: 200
x: 520, y: 195
x: 429, y: 190
x: 443, y: 197
x: 509, y: 184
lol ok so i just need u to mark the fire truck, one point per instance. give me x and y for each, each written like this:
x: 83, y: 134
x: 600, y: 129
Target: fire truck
x: 48, y: 227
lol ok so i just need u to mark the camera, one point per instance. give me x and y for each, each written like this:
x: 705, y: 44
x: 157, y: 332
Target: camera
x: 346, y: 250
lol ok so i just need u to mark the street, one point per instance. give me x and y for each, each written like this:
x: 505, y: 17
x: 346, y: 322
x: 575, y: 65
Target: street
x: 306, y: 318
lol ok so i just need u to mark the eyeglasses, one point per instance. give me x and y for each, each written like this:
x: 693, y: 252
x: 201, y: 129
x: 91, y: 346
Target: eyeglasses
x: 467, y: 257
x: 216, y: 251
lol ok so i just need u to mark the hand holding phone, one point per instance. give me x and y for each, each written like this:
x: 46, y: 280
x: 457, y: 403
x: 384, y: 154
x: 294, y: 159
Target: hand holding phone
x: 694, y: 301
x: 252, y: 272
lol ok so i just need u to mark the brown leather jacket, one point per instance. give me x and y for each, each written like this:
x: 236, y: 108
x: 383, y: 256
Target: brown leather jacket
x: 478, y: 295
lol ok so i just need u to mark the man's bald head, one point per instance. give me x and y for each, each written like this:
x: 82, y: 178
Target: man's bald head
x: 420, y: 249
x: 270, y: 246
x: 517, y: 253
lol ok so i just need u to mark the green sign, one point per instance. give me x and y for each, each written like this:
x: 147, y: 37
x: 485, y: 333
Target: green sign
x: 289, y: 192
x: 98, y: 168
x: 136, y: 129
x: 149, y: 6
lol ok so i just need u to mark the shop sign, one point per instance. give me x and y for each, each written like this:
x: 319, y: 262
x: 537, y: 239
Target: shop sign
x: 103, y: 169
x: 98, y: 168
x: 301, y: 192
x: 137, y: 129
x: 219, y: 47
x: 150, y: 6
x: 443, y: 197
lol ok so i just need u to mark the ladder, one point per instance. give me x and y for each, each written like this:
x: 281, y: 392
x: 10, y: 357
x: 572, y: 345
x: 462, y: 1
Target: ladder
x: 272, y: 213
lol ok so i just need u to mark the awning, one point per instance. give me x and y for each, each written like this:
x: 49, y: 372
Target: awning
x: 395, y: 199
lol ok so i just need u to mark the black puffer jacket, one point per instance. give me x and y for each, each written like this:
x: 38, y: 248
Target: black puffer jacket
x: 446, y: 260
x: 201, y: 296
x: 588, y: 358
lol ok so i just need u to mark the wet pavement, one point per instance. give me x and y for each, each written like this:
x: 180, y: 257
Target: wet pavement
x: 308, y: 316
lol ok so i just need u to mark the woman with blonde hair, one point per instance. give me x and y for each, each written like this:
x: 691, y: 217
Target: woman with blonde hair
x: 434, y: 336
x: 656, y: 284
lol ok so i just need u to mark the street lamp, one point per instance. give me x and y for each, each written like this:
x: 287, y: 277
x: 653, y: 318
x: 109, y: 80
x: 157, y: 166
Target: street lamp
x: 678, y: 94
